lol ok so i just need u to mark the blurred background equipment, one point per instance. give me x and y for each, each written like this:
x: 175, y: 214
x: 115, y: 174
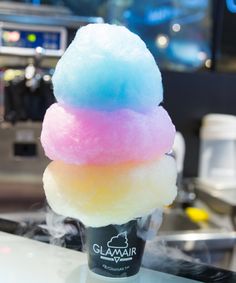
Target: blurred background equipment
x: 217, y: 163
x: 32, y: 40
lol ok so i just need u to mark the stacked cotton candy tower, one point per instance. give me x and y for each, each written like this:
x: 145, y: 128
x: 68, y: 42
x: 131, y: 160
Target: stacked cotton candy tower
x: 106, y: 135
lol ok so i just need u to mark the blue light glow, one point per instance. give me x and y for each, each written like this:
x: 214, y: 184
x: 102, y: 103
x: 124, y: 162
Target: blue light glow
x: 162, y: 14
x: 194, y: 4
x: 231, y: 5
x: 36, y: 2
x: 188, y: 53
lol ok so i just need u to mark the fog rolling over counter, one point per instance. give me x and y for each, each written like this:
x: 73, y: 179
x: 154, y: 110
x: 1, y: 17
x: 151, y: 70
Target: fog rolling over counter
x: 106, y: 135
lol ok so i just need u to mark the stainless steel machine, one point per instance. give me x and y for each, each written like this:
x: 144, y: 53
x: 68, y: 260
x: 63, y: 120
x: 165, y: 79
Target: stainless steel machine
x: 32, y: 39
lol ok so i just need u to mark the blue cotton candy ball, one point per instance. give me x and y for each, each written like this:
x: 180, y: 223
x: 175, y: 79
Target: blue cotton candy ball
x: 107, y: 67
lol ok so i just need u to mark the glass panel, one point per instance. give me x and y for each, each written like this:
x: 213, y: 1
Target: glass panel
x: 176, y: 31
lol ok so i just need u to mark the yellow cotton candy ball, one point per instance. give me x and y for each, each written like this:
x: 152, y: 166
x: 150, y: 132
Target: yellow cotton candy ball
x: 115, y: 194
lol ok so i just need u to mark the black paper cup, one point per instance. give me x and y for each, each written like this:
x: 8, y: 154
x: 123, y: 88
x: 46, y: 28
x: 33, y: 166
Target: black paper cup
x: 115, y: 250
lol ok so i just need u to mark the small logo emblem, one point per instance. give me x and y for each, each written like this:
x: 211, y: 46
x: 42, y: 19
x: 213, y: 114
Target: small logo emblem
x: 118, y: 242
x: 117, y: 249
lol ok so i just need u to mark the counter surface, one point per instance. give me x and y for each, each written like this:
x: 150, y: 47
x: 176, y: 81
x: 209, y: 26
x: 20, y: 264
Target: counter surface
x: 27, y: 261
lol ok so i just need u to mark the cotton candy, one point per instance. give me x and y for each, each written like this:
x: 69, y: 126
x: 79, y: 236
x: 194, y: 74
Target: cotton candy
x: 103, y: 195
x: 107, y: 67
x: 107, y: 134
x: 79, y: 136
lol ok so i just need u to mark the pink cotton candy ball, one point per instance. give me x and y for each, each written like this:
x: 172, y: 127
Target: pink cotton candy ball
x: 79, y: 136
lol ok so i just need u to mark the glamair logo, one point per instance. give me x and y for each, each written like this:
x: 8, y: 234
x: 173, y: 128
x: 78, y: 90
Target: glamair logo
x: 117, y: 249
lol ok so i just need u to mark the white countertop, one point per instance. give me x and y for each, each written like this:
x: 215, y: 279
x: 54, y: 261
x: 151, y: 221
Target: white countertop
x: 27, y: 261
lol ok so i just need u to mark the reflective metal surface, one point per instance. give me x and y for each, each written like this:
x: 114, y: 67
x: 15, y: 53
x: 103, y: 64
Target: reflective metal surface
x: 177, y: 221
x: 206, y: 241
x: 21, y: 170
x: 220, y: 199
x: 178, y: 230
